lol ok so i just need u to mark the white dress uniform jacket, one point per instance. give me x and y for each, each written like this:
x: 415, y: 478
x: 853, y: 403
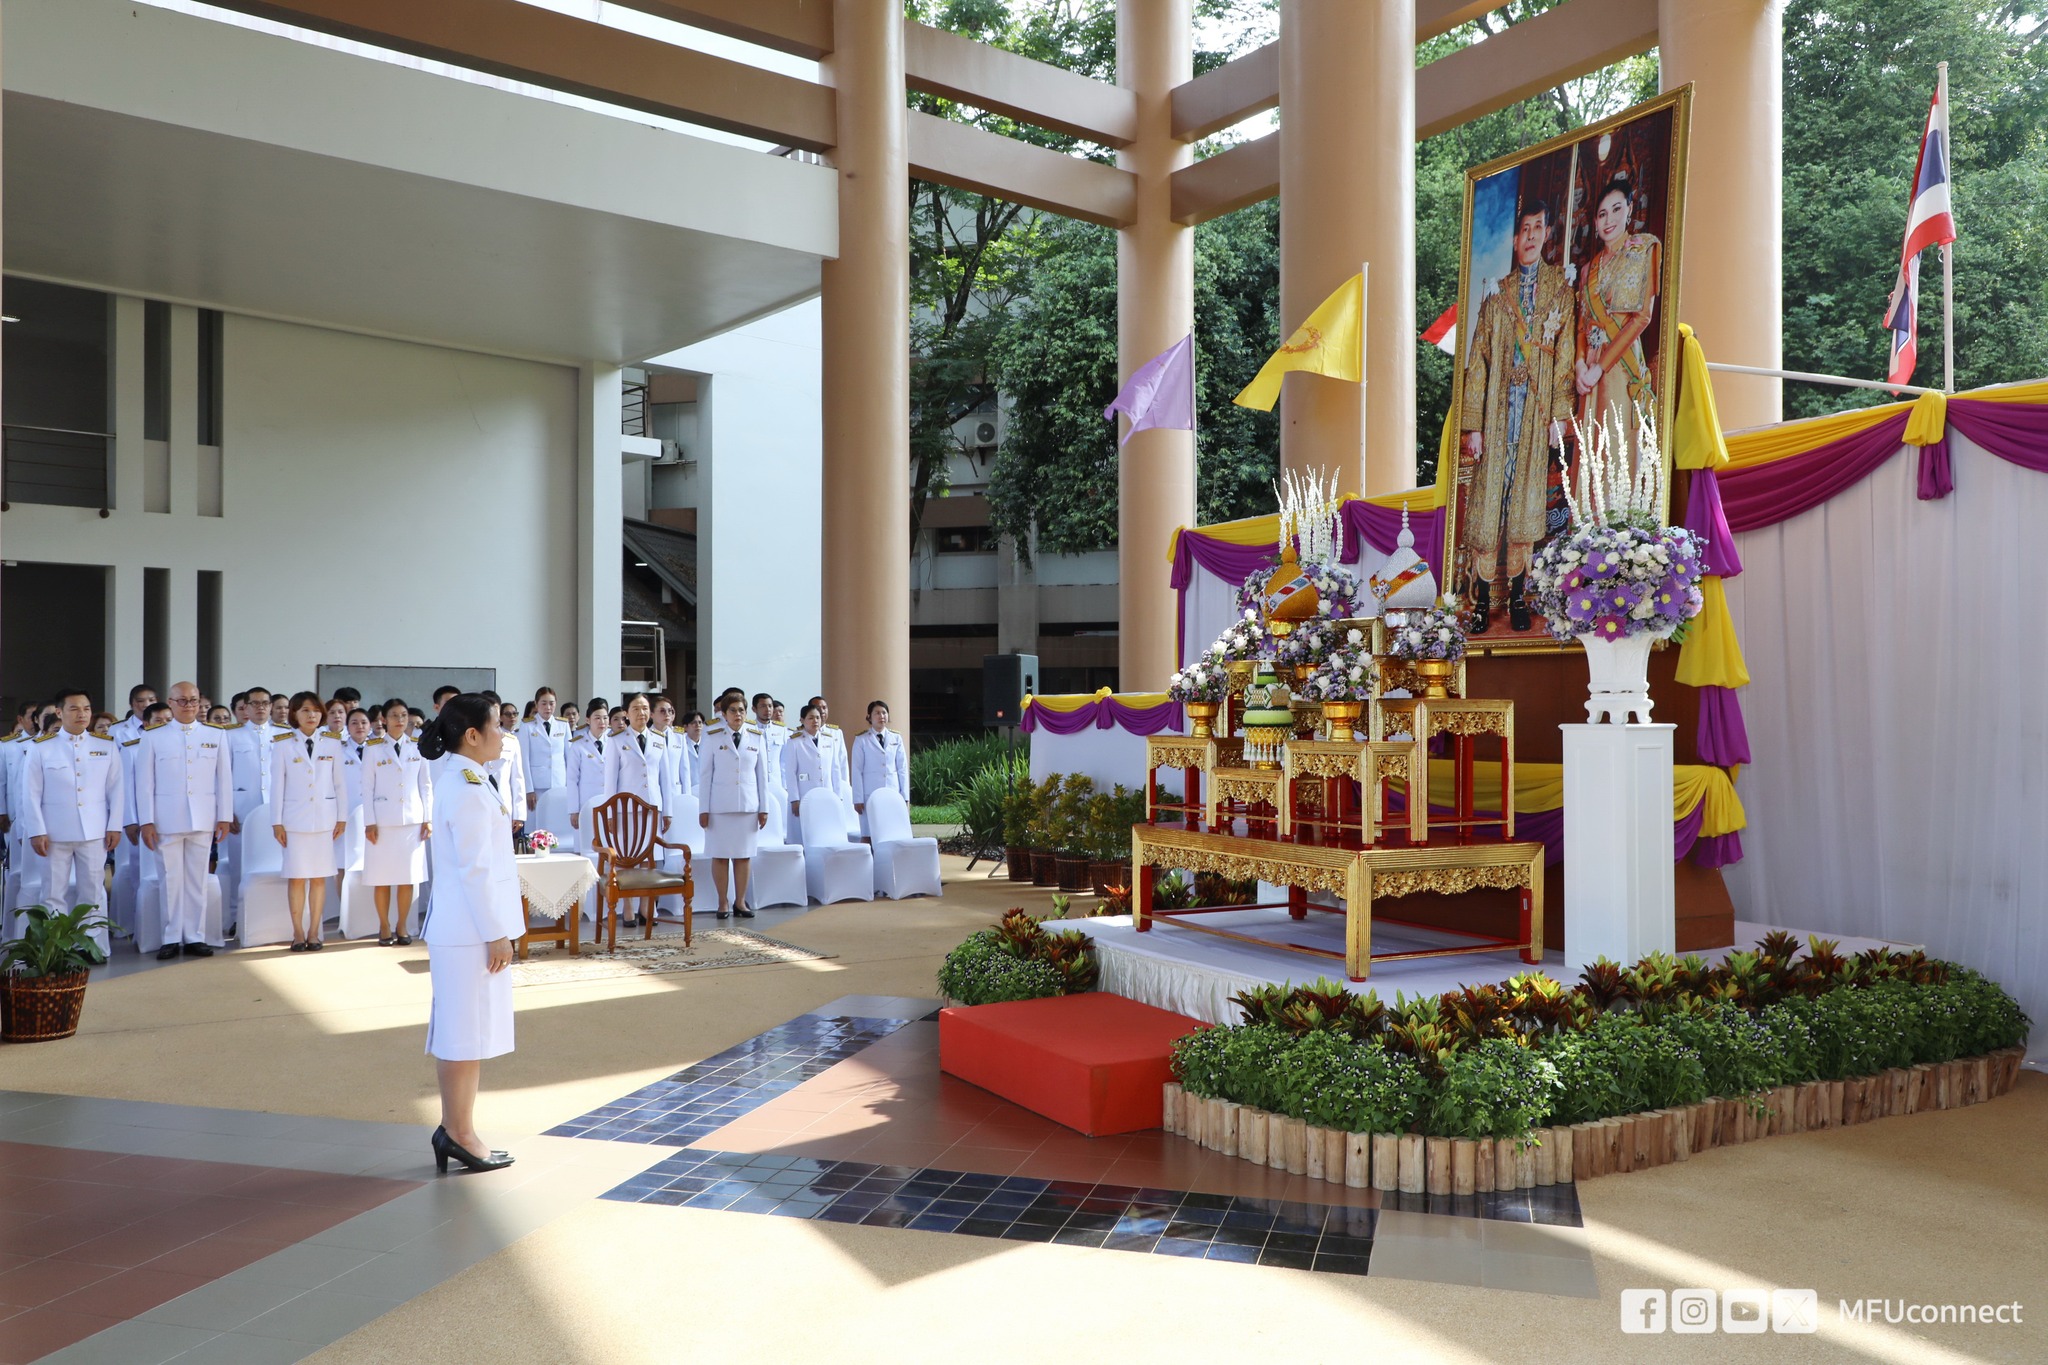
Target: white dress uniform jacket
x: 836, y: 737
x: 774, y: 737
x: 126, y: 728
x: 733, y: 775
x: 544, y: 744
x: 305, y: 782
x: 879, y: 760
x: 476, y: 901
x: 397, y: 786
x: 584, y: 766
x: 353, y: 756
x: 249, y: 748
x: 184, y: 785
x: 635, y: 762
x: 509, y: 767
x: 808, y: 763
x: 671, y: 768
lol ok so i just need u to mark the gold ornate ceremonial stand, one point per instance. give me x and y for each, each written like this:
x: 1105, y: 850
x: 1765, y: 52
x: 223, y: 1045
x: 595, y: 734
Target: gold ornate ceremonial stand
x: 1355, y: 874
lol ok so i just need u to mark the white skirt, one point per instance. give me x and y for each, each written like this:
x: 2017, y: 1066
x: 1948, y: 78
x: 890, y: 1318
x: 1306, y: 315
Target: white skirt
x: 308, y: 854
x: 398, y: 858
x: 732, y: 834
x: 471, y: 1018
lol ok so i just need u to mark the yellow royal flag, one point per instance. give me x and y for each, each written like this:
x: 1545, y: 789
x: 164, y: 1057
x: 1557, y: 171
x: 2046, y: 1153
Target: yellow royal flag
x: 1331, y: 342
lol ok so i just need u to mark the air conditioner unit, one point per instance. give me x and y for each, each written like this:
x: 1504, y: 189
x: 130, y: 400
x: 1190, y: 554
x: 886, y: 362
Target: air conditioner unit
x: 985, y: 434
x: 671, y: 452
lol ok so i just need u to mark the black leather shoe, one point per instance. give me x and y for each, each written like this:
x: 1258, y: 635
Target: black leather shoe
x: 741, y: 912
x: 447, y: 1148
x: 198, y: 950
x: 167, y: 952
x: 1481, y: 619
x: 1518, y: 604
x: 725, y: 914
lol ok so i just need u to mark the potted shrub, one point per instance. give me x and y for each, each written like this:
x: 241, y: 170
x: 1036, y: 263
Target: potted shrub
x: 1072, y: 836
x: 1044, y: 830
x: 1017, y: 833
x: 43, y: 973
x: 1110, y: 818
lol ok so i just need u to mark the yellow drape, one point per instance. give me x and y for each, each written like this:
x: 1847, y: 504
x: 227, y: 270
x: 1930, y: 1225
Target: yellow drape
x: 1696, y: 427
x: 1067, y: 702
x: 1928, y: 421
x: 1711, y: 655
x: 1540, y: 787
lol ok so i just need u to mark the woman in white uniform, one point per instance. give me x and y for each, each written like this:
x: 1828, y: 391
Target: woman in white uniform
x: 470, y: 926
x: 810, y: 761
x: 306, y: 815
x: 732, y: 800
x: 398, y: 796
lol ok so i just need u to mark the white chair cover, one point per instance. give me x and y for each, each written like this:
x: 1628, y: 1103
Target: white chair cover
x: 776, y: 876
x: 834, y: 869
x: 266, y: 914
x: 149, y: 906
x: 904, y: 864
x: 855, y: 826
x: 551, y: 813
x: 682, y: 829
x: 125, y: 894
x: 358, y: 903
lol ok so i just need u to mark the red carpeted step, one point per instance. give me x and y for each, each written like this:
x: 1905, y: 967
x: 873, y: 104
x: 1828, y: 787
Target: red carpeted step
x: 1094, y: 1062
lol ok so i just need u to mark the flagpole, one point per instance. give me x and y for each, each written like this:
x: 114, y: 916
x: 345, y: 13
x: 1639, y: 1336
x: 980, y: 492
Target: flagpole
x: 1948, y: 249
x: 1364, y: 388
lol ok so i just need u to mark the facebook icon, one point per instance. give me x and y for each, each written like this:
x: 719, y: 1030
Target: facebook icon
x: 1642, y: 1311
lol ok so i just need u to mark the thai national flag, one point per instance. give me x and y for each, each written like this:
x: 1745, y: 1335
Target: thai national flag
x: 1930, y: 222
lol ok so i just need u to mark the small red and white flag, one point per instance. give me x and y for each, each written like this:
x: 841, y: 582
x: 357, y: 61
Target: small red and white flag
x: 1929, y: 222
x: 1443, y: 333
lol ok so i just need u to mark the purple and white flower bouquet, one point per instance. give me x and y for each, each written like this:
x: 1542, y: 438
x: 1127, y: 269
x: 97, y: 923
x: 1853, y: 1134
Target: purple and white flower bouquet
x: 1339, y: 597
x: 1205, y: 679
x: 1616, y: 570
x: 1345, y: 672
x: 1431, y: 633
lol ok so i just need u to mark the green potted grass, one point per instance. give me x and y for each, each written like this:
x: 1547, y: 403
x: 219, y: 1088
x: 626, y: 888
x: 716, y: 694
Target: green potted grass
x: 1072, y: 834
x: 1017, y: 834
x: 43, y: 973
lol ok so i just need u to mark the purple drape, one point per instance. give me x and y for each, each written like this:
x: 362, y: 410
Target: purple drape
x: 1367, y: 525
x: 1721, y: 738
x: 1104, y: 713
x: 1231, y: 563
x: 1705, y: 518
x: 1766, y: 494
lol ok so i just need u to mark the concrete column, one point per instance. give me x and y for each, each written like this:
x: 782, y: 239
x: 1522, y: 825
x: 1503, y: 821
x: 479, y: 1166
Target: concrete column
x: 866, y: 375
x: 125, y: 663
x: 1732, y: 278
x: 184, y: 419
x: 1347, y: 198
x: 598, y: 460
x: 129, y: 386
x: 181, y: 630
x: 1155, y: 262
x: 1017, y: 612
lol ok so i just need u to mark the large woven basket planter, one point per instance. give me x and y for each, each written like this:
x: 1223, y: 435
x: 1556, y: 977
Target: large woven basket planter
x: 41, y: 1009
x: 1070, y: 874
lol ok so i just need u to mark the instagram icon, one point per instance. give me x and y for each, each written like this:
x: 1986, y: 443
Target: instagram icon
x: 1694, y: 1310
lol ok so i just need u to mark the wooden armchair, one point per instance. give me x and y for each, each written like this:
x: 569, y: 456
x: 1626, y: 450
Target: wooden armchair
x: 626, y: 832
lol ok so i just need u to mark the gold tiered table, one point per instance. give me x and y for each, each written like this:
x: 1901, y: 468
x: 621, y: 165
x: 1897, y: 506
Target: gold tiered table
x: 1358, y: 875
x: 1317, y: 765
x: 1463, y: 719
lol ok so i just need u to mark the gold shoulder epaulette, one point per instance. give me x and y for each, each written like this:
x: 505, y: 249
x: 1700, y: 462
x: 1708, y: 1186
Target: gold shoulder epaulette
x: 380, y: 740
x: 754, y: 730
x: 156, y: 725
x: 47, y: 734
x: 211, y: 726
x: 236, y: 726
x: 830, y: 726
x: 131, y: 743
x: 331, y: 734
x: 469, y: 776
x: 286, y: 735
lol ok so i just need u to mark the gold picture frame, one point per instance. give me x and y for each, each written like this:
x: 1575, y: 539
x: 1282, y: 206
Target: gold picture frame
x: 1590, y: 327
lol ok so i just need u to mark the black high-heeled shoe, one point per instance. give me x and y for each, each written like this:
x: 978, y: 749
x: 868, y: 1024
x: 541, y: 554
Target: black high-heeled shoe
x: 446, y: 1147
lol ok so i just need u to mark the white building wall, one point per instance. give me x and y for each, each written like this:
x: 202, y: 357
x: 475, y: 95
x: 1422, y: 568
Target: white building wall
x: 384, y: 502
x: 758, y: 449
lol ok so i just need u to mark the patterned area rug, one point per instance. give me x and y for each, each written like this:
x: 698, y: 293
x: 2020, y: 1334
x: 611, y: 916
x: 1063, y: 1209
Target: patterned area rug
x: 720, y: 947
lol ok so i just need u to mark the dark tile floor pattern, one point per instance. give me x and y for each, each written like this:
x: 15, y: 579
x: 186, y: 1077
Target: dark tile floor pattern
x: 700, y: 1099
x: 1296, y: 1235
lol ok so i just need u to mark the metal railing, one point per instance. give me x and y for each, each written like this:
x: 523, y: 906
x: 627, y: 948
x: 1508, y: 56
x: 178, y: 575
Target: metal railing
x: 633, y: 409
x: 55, y: 466
x: 643, y: 656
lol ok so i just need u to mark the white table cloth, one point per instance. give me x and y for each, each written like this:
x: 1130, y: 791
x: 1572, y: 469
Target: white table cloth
x: 553, y: 882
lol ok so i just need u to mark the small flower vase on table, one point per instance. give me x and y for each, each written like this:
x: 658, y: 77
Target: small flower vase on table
x: 1202, y: 717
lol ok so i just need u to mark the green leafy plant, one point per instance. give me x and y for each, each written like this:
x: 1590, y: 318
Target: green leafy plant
x: 1068, y: 822
x: 984, y: 804
x: 1494, y: 1090
x: 1017, y: 818
x: 938, y: 771
x: 980, y: 971
x: 54, y: 943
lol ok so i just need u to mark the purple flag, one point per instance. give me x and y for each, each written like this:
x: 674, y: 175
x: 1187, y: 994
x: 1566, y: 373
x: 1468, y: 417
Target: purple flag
x: 1160, y: 392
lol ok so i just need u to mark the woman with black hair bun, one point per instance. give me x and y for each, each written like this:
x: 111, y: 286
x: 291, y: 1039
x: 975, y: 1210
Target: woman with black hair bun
x: 475, y: 915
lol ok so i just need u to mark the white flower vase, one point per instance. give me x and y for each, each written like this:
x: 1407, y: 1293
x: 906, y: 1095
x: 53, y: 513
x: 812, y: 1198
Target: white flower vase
x: 1618, y: 677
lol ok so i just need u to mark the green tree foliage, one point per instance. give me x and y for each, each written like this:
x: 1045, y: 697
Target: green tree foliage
x: 1858, y: 75
x: 1057, y: 362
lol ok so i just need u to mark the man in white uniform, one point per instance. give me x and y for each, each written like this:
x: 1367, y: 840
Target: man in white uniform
x: 140, y: 698
x: 544, y: 747
x: 879, y: 760
x: 836, y: 737
x: 184, y: 799
x: 773, y: 735
x: 585, y: 762
x: 249, y: 754
x: 509, y: 767
x: 72, y: 800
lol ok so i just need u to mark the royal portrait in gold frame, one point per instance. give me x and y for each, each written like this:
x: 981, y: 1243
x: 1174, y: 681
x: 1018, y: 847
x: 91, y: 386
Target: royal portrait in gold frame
x: 1567, y: 320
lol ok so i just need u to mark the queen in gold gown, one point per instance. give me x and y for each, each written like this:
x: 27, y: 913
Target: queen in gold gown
x: 1617, y: 303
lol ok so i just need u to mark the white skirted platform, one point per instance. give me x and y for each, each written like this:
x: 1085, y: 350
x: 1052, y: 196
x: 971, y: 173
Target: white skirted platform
x: 1193, y: 973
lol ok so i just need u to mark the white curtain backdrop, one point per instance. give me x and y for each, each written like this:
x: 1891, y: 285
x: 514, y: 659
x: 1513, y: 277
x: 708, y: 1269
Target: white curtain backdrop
x: 1109, y: 756
x: 1898, y: 652
x: 1211, y: 603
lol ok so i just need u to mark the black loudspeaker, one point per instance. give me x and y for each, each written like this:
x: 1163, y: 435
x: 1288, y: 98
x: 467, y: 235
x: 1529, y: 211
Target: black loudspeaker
x: 1006, y: 679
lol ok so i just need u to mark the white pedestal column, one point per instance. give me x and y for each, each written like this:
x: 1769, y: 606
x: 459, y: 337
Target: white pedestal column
x: 1619, y: 896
